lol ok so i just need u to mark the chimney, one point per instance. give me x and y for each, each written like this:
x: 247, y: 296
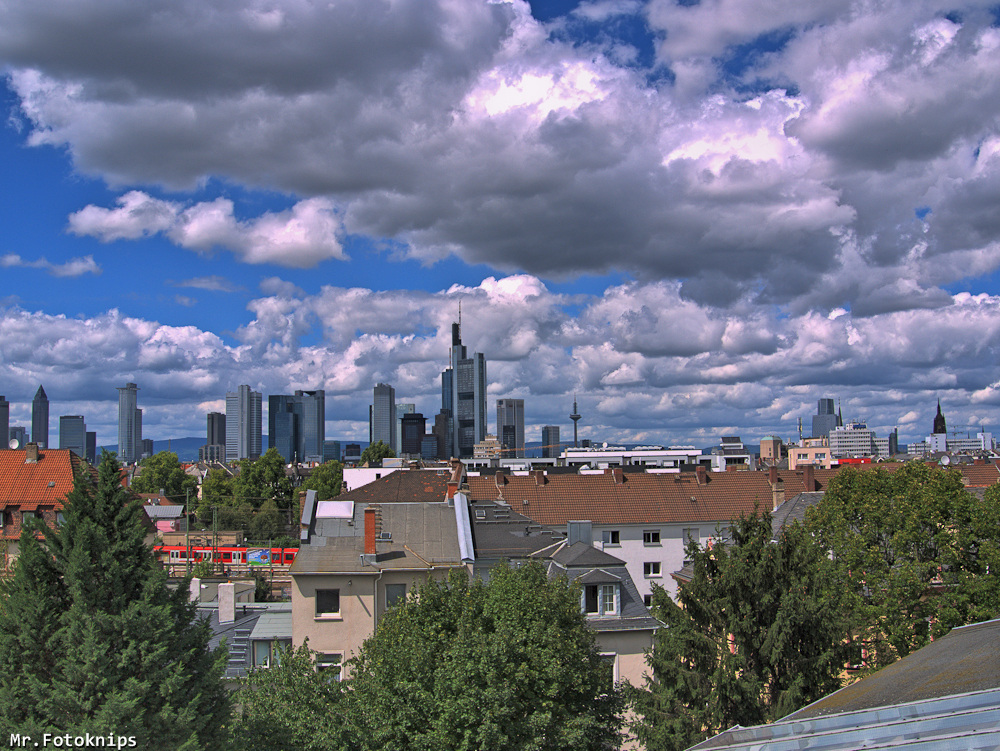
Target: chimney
x: 579, y: 531
x: 30, y: 453
x: 227, y: 602
x: 501, y: 479
x: 455, y: 481
x: 772, y: 475
x: 809, y: 478
x: 702, y: 474
x: 370, y: 530
x: 618, y: 475
x: 539, y: 476
x: 194, y: 590
x: 777, y: 494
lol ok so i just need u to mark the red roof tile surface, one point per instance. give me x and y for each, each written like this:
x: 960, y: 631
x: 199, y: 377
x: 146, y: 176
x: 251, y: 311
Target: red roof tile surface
x: 402, y: 486
x: 34, y: 485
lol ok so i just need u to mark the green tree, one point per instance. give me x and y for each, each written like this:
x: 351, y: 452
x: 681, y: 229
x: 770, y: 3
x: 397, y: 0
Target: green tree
x: 163, y: 471
x: 217, y: 488
x: 291, y: 706
x: 375, y: 453
x: 915, y: 549
x: 759, y: 633
x: 93, y: 640
x: 266, y: 522
x: 263, y: 479
x: 326, y: 479
x: 506, y: 665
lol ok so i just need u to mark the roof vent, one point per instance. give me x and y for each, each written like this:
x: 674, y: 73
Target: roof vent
x: 52, y: 483
x: 694, y: 499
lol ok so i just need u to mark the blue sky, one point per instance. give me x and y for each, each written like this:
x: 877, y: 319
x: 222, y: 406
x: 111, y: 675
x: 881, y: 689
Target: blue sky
x: 698, y: 217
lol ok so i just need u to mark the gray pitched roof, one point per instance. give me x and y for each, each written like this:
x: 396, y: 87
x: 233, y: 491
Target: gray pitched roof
x: 794, y: 509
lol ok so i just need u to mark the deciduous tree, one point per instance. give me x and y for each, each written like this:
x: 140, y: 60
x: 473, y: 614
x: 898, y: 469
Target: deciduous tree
x: 326, y: 479
x: 375, y: 453
x: 163, y: 471
x: 915, y: 549
x: 506, y: 665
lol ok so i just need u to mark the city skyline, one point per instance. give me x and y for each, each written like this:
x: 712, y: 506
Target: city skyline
x: 699, y: 218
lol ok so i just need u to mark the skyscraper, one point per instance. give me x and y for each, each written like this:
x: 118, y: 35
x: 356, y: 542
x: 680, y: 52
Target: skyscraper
x: 243, y: 424
x: 129, y: 424
x: 467, y: 400
x: 825, y: 419
x: 216, y: 429
x: 296, y: 425
x: 510, y: 426
x: 73, y: 434
x: 402, y: 408
x: 550, y: 442
x: 383, y: 420
x: 414, y: 426
x: 40, y: 419
x: 4, y: 421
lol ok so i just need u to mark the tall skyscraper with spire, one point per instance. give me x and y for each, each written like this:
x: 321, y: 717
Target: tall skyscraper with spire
x: 129, y: 424
x: 467, y: 398
x: 40, y: 419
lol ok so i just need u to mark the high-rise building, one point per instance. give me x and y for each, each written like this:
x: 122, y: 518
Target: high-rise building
x: 331, y: 451
x: 92, y: 446
x: 129, y: 424
x: 40, y: 419
x: 467, y: 399
x: 551, y: 447
x: 510, y: 426
x: 216, y: 429
x: 243, y: 424
x: 73, y: 434
x: 383, y: 416
x: 296, y: 425
x: 4, y: 421
x: 402, y: 408
x: 413, y: 428
x: 825, y: 419
x: 444, y: 433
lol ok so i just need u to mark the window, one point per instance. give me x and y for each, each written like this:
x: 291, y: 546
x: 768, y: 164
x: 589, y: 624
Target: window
x: 327, y: 602
x: 691, y: 534
x: 651, y: 569
x: 651, y: 537
x: 647, y: 600
x: 267, y: 650
x: 329, y: 663
x: 611, y: 537
x: 394, y: 594
x: 600, y: 599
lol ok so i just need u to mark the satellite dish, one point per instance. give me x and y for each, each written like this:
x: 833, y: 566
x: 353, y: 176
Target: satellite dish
x: 13, y: 443
x: 946, y: 460
x: 605, y: 444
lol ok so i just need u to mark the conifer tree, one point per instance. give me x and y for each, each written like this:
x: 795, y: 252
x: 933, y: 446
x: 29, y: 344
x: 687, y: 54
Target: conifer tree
x: 93, y: 641
x: 760, y: 634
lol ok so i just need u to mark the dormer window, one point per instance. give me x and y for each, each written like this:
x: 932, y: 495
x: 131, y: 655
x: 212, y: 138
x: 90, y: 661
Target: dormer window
x: 600, y: 599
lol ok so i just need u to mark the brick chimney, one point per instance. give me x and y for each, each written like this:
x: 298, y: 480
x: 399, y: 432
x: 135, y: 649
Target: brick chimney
x: 777, y: 494
x: 30, y: 453
x: 370, y: 530
x: 809, y: 478
x: 455, y: 481
x: 618, y: 475
x: 702, y: 474
x: 772, y: 475
x: 539, y: 476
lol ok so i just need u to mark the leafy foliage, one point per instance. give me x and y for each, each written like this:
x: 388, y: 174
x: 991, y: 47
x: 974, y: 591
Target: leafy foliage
x: 760, y: 633
x: 326, y: 479
x: 291, y: 706
x: 93, y: 640
x: 504, y: 665
x: 914, y: 548
x: 163, y: 471
x: 375, y: 453
x: 263, y: 479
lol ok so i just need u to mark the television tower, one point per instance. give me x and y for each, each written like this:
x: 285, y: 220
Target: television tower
x: 575, y: 417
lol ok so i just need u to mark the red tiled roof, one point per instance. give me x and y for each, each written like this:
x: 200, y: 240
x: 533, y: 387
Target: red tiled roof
x: 979, y: 475
x: 34, y: 486
x: 631, y: 498
x: 402, y: 486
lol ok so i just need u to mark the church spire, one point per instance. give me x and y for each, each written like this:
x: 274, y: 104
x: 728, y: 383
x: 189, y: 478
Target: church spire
x: 940, y: 426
